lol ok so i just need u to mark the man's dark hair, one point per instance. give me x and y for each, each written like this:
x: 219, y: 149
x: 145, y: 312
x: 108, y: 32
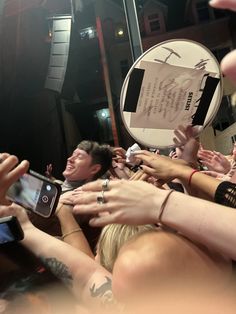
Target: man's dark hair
x: 101, y: 154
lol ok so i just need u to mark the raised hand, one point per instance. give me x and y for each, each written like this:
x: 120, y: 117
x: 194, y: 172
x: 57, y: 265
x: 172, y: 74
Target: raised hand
x: 48, y: 172
x: 9, y: 173
x: 184, y: 133
x: 214, y: 161
x: 120, y: 154
x: 187, y: 145
x: 126, y: 202
x: 17, y: 211
x: 160, y: 167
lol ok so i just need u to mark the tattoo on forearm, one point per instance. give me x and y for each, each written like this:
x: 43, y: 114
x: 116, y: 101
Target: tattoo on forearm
x: 104, y: 291
x: 59, y: 269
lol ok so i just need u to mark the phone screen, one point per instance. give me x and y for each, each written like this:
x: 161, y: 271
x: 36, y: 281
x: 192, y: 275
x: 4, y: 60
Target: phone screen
x: 34, y: 193
x: 6, y: 234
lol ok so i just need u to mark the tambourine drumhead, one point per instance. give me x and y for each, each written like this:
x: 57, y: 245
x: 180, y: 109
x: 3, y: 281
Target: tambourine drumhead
x: 175, y: 82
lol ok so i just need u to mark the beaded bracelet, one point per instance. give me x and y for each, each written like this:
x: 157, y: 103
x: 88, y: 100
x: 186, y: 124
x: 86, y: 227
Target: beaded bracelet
x: 70, y: 232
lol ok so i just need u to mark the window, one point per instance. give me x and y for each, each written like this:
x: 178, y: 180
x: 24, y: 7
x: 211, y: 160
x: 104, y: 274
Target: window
x: 88, y: 33
x: 203, y: 11
x: 154, y: 22
x: 155, y: 26
x: 153, y: 16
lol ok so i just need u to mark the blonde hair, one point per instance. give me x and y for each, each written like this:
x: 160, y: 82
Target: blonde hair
x: 113, y: 237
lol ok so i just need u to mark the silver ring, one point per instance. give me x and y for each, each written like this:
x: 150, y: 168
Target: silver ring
x: 100, y: 198
x: 105, y: 186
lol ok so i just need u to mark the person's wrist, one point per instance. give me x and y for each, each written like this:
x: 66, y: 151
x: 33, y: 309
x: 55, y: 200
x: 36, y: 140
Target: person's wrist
x: 160, y: 199
x: 177, y: 169
x: 59, y: 208
x: 63, y: 210
x: 184, y: 173
x: 28, y: 229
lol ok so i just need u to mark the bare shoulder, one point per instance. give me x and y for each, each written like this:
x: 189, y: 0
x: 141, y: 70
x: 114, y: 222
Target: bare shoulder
x: 162, y: 256
x: 165, y: 246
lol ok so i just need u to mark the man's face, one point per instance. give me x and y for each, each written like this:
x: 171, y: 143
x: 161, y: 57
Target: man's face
x: 79, y: 166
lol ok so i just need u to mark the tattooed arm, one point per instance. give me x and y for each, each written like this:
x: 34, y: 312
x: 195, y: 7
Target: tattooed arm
x: 89, y: 281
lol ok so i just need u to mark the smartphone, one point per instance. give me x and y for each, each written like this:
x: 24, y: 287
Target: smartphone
x: 36, y: 193
x: 10, y: 230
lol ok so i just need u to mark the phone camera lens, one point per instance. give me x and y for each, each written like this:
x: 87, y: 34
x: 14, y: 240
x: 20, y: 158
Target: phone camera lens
x: 48, y: 187
x: 45, y: 199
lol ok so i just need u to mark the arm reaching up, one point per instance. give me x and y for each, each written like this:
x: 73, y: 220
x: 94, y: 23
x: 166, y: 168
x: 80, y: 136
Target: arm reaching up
x: 137, y: 202
x: 89, y: 281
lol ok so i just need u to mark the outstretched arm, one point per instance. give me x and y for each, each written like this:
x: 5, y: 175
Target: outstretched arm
x: 90, y: 282
x: 137, y: 202
x: 166, y: 169
x: 71, y: 231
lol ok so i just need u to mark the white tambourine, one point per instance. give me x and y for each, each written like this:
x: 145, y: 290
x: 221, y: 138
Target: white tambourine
x: 175, y: 82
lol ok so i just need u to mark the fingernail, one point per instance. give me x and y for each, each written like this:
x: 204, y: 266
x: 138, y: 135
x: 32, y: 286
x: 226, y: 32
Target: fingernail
x: 92, y: 222
x: 212, y: 1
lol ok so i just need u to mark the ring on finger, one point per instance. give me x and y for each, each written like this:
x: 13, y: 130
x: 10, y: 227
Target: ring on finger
x: 100, y: 198
x: 105, y: 186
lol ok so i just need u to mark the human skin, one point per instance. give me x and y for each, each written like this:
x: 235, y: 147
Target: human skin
x: 229, y: 61
x: 77, y: 270
x: 80, y: 167
x: 137, y: 202
x: 166, y: 169
x: 165, y: 261
x: 10, y: 171
x: 70, y: 227
x: 223, y: 4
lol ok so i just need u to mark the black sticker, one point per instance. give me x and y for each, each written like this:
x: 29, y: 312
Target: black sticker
x: 209, y: 89
x: 133, y: 90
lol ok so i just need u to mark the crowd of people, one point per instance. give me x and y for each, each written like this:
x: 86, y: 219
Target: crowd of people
x: 157, y: 234
x: 155, y: 239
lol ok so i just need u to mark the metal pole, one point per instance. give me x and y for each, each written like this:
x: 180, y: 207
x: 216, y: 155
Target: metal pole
x: 107, y: 80
x: 72, y: 11
x: 133, y: 28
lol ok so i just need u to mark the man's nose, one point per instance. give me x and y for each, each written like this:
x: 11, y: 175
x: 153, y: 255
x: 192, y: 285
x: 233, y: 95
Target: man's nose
x: 71, y: 158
